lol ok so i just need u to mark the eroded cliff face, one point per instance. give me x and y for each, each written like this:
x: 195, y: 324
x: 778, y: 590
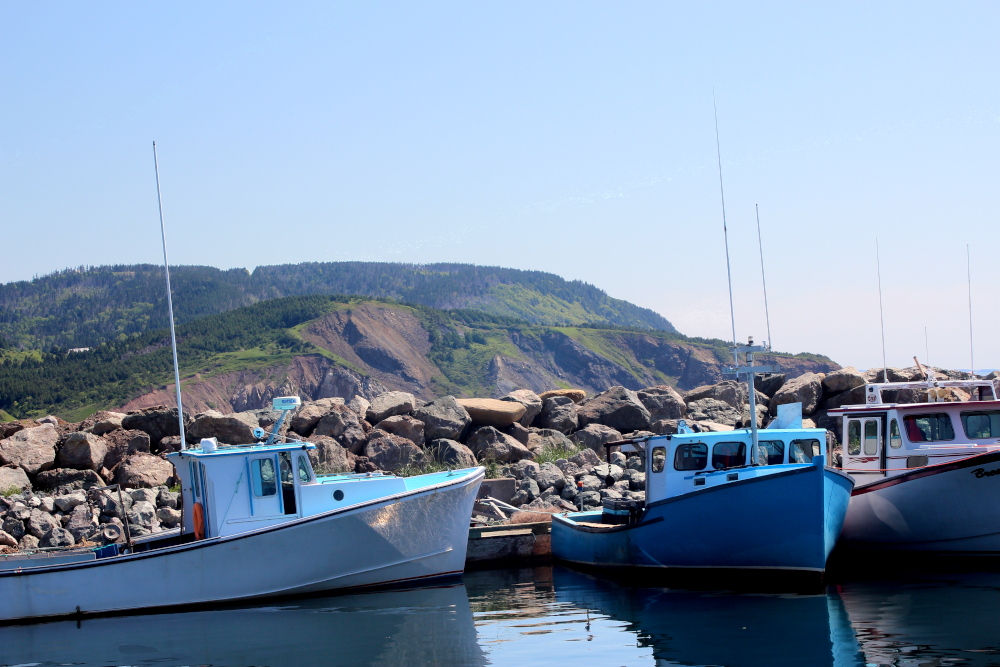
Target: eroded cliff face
x: 381, y: 347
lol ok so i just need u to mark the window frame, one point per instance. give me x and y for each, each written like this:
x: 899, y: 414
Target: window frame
x: 780, y: 455
x: 812, y: 454
x: 742, y: 448
x: 895, y: 439
x: 257, y: 477
x: 978, y: 413
x: 686, y: 447
x: 663, y: 461
x: 910, y: 427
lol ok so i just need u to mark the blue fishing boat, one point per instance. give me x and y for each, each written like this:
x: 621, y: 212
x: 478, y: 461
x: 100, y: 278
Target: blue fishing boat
x: 732, y: 500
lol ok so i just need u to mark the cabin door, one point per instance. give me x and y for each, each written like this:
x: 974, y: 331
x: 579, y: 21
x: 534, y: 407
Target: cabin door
x: 865, y: 447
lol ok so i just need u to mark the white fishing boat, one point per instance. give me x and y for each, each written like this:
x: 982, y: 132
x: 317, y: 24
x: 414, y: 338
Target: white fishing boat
x: 927, y: 473
x: 258, y: 523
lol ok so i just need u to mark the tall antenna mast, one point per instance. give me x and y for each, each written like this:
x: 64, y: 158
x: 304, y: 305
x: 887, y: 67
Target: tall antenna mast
x: 170, y: 302
x: 881, y: 317
x: 760, y: 246
x: 725, y: 231
x: 927, y: 349
x: 972, y: 354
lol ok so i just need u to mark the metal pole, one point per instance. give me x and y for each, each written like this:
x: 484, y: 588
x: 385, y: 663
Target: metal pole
x: 881, y: 317
x: 170, y: 303
x: 972, y: 349
x: 760, y: 246
x: 725, y: 231
x: 753, y: 406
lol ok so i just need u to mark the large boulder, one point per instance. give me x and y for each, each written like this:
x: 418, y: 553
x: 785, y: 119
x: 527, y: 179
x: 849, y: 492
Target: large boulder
x: 530, y: 400
x: 805, y: 389
x: 769, y: 383
x: 618, y: 407
x: 855, y: 396
x: 730, y: 392
x: 710, y: 409
x: 233, y: 429
x: 409, y: 427
x: 388, y: 404
x: 41, y: 523
x: 842, y: 380
x: 487, y: 443
x: 83, y: 451
x: 81, y: 524
x: 451, y: 453
x: 540, y: 439
x: 443, y: 418
x: 309, y: 414
x: 105, y: 422
x: 123, y: 442
x: 663, y: 402
x: 143, y: 471
x: 158, y: 422
x: 65, y: 480
x: 577, y: 395
x: 392, y: 452
x: 594, y: 436
x: 492, y: 411
x: 360, y: 405
x: 559, y: 413
x: 329, y: 456
x: 345, y: 426
x: 32, y: 449
x: 13, y: 479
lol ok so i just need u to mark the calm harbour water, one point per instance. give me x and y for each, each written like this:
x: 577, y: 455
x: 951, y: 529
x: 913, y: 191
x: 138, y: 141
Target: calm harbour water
x: 553, y: 616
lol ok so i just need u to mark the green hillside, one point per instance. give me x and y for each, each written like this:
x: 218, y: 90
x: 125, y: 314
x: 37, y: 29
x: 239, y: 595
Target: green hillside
x: 88, y: 306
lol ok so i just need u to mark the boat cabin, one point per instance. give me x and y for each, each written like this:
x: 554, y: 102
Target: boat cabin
x: 229, y: 490
x: 886, y: 439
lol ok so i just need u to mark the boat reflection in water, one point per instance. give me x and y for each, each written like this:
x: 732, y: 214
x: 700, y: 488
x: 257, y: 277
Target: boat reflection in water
x: 687, y: 627
x: 927, y: 620
x: 421, y: 626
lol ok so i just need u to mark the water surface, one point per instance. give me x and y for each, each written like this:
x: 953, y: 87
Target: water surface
x: 556, y: 617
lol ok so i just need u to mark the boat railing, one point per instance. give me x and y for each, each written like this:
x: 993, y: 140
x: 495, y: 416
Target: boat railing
x: 937, y: 390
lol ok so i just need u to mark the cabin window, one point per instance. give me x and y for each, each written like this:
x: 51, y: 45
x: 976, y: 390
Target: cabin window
x: 729, y: 455
x: 854, y: 437
x: 981, y: 424
x: 305, y: 475
x: 770, y: 452
x: 659, y: 458
x: 691, y: 456
x: 928, y: 428
x: 262, y: 472
x: 803, y: 451
x: 895, y: 439
x: 871, y: 437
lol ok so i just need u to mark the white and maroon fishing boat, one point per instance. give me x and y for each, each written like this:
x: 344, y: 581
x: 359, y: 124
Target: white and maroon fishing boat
x: 927, y: 474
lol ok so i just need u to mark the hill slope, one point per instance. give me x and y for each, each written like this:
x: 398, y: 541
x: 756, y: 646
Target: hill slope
x: 321, y: 346
x: 86, y: 307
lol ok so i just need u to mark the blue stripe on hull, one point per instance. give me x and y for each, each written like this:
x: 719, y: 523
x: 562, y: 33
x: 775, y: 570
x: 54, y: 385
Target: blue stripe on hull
x: 788, y: 520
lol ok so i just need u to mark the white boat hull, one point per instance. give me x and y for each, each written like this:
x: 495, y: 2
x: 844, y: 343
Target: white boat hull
x: 946, y: 508
x: 414, y: 535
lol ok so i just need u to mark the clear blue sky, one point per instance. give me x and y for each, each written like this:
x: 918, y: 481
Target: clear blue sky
x: 572, y: 137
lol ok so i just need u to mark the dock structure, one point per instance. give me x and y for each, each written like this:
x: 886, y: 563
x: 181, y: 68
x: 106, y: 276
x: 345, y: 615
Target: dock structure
x: 517, y: 543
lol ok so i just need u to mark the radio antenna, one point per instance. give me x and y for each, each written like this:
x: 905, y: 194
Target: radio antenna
x: 972, y: 353
x: 170, y: 302
x: 881, y: 316
x: 725, y: 231
x: 760, y: 246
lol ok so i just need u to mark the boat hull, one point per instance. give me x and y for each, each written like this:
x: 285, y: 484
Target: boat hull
x: 418, y: 534
x: 946, y: 508
x: 782, y: 521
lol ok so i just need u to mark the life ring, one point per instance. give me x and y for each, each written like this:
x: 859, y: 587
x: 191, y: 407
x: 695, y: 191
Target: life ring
x: 198, y: 515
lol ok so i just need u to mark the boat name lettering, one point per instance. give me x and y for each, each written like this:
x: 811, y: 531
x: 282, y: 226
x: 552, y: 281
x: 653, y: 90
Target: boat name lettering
x: 982, y: 472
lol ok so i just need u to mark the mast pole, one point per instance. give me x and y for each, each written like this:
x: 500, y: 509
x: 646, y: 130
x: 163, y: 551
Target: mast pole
x: 881, y: 317
x: 763, y: 280
x: 972, y: 349
x: 170, y: 303
x: 725, y: 231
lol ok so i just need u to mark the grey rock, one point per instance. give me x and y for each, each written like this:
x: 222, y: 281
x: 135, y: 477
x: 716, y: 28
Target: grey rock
x: 392, y: 452
x: 519, y: 433
x: 492, y: 412
x: 854, y: 396
x: 550, y: 476
x: 594, y: 436
x: 108, y: 503
x: 636, y: 480
x: 443, y: 418
x: 47, y: 504
x: 585, y: 458
x: 806, y: 389
x: 157, y: 422
x: 541, y: 439
x: 19, y: 510
x: 729, y: 392
x: 388, y: 404
x: 65, y: 480
x: 406, y: 426
x: 531, y: 487
x: 49, y: 419
x: 637, y: 463
x: 342, y: 424
x: 167, y: 498
x: 310, y: 412
x: 451, y: 452
x: 525, y: 468
x: 605, y: 471
x: 231, y: 429
x: 168, y: 517
x: 67, y: 502
x: 589, y: 500
x: 487, y: 443
x: 31, y: 449
x: 12, y: 478
x: 360, y: 405
x: 663, y: 402
x: 81, y: 524
x: 769, y: 383
x: 142, y: 513
x: 330, y: 456
x: 568, y: 492
x: 57, y: 537
x: 713, y: 410
x: 7, y: 540
x: 844, y: 379
x: 14, y: 527
x: 124, y: 442
x: 559, y: 413
x: 147, y: 495
x: 143, y: 471
x: 591, y: 483
x: 618, y: 407
x: 107, y: 422
x: 531, y: 402
x: 27, y: 543
x: 40, y: 523
x: 83, y: 451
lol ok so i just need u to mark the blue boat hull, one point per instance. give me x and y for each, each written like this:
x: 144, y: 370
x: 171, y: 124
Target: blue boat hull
x: 787, y: 520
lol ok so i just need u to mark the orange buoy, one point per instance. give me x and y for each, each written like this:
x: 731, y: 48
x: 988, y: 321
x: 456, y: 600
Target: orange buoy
x: 198, y: 514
